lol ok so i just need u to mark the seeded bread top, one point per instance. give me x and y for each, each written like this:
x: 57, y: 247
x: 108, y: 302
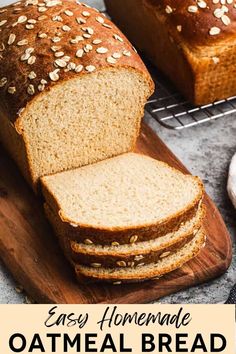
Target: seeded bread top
x: 47, y: 41
x: 199, y: 22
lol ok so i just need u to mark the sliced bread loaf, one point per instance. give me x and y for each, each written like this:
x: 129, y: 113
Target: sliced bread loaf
x: 144, y: 272
x: 72, y: 88
x: 117, y: 200
x: 132, y: 254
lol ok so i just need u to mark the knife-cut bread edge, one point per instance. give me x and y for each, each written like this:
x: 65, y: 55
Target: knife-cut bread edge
x: 145, y: 272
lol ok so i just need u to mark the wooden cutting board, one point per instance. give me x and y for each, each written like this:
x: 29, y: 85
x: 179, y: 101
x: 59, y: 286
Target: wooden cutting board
x: 30, y: 250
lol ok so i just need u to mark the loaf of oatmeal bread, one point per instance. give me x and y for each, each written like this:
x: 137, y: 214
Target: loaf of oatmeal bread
x: 125, y: 197
x: 131, y: 254
x: 72, y: 88
x: 191, y: 41
x: 144, y: 272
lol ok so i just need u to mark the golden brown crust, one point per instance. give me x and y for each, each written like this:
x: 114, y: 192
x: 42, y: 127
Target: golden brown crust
x: 93, y: 260
x: 87, y: 274
x: 132, y: 255
x: 89, y: 235
x: 38, y: 38
x: 197, y: 18
x: 106, y: 237
x: 179, y: 43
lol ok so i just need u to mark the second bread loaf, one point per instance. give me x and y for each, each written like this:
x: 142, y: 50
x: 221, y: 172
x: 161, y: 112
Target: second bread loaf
x: 192, y: 42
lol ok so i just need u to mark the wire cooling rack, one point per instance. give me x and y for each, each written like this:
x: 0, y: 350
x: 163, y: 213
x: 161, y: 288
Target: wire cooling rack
x: 172, y: 111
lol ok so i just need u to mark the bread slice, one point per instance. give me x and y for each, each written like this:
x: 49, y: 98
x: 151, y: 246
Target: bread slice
x: 121, y: 198
x: 144, y: 272
x: 131, y: 254
x: 72, y: 87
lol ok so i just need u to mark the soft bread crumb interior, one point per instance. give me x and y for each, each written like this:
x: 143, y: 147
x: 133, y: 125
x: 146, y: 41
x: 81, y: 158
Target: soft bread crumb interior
x: 84, y: 120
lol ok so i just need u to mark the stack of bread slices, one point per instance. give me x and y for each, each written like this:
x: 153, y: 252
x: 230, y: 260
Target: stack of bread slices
x: 126, y: 219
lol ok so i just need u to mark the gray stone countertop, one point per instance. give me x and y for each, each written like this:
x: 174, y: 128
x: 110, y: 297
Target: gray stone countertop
x: 206, y: 151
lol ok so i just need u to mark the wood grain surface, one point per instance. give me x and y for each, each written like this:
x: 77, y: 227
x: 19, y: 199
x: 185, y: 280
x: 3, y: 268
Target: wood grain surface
x: 31, y: 252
